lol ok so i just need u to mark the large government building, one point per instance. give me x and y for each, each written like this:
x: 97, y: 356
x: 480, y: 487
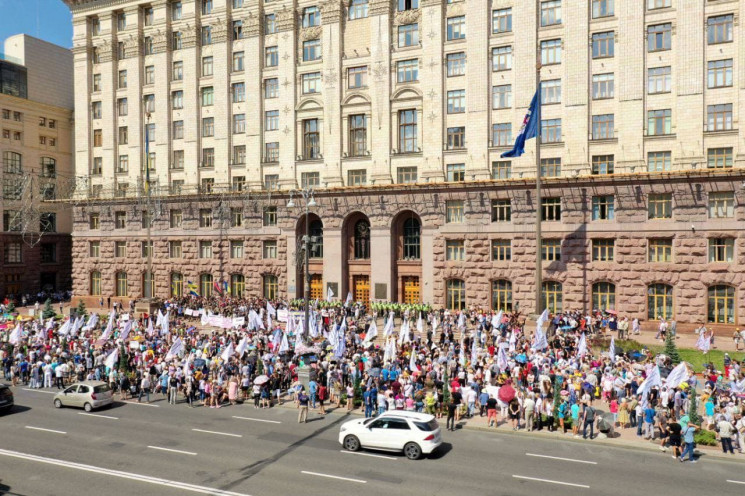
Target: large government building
x: 36, y: 146
x: 395, y: 113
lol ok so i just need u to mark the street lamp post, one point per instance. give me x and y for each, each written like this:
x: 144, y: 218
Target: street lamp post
x: 309, y: 200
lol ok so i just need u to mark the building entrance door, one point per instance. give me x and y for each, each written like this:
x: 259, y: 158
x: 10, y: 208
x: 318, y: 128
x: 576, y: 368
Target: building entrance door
x: 361, y: 288
x: 411, y: 289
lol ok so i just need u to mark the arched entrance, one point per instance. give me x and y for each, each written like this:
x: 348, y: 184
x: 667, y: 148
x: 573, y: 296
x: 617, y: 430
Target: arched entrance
x: 315, y: 258
x: 406, y: 237
x: 356, y: 257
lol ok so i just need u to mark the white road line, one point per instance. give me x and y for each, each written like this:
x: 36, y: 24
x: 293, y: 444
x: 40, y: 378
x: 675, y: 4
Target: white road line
x: 118, y: 473
x: 736, y: 482
x: 173, y: 450
x: 140, y: 404
x: 333, y: 477
x: 97, y: 415
x: 218, y: 433
x: 45, y: 430
x: 40, y: 391
x: 560, y: 458
x: 258, y: 420
x: 551, y: 481
x: 369, y: 454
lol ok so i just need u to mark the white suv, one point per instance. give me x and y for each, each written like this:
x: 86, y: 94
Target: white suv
x: 413, y: 433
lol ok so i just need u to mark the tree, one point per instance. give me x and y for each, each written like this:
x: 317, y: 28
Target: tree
x: 671, y: 349
x: 445, y: 388
x: 10, y: 307
x: 693, y: 416
x: 123, y: 363
x: 357, y: 391
x: 80, y: 310
x: 48, y: 312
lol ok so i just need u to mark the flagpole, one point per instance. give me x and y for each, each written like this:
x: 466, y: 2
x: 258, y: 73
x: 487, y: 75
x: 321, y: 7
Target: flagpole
x: 538, y: 199
x: 149, y: 275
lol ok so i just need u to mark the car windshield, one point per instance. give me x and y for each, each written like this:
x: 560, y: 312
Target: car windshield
x: 102, y: 388
x: 427, y: 426
x: 367, y: 421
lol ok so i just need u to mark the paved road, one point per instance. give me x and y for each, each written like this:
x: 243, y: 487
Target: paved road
x: 165, y: 449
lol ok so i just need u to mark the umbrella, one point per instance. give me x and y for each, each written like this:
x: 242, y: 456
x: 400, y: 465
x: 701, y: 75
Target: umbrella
x: 506, y: 393
x: 374, y: 372
x: 612, y: 312
x: 521, y: 358
x: 262, y: 379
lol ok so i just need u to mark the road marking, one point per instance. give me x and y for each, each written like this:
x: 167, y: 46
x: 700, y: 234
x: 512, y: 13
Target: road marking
x: 173, y: 450
x: 333, y: 477
x: 118, y: 473
x: 40, y: 391
x: 258, y: 420
x: 45, y: 430
x: 218, y: 433
x: 139, y: 404
x: 551, y: 481
x: 560, y: 458
x: 369, y: 454
x: 736, y: 482
x: 97, y: 415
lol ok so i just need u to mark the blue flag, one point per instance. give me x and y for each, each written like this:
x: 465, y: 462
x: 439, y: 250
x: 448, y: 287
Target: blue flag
x: 530, y: 127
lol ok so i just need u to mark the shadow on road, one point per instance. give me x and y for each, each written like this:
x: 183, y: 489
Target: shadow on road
x: 5, y: 490
x: 16, y: 409
x: 440, y: 452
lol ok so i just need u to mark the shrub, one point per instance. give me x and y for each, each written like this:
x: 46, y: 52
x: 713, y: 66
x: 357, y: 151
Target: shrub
x: 705, y: 438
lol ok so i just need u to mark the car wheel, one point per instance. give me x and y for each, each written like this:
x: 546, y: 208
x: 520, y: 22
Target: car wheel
x: 87, y: 407
x: 412, y: 451
x: 57, y: 404
x: 351, y: 443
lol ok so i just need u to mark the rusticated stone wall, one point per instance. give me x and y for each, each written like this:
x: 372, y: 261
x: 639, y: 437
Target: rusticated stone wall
x: 31, y: 267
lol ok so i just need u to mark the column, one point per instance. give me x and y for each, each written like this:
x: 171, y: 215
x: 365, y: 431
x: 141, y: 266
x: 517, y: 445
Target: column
x: 380, y: 90
x: 431, y: 68
x: 332, y: 135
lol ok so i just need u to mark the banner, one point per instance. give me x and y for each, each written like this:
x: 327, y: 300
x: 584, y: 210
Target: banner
x: 282, y: 315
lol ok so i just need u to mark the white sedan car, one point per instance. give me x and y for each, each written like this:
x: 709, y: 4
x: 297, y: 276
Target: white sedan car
x: 413, y: 433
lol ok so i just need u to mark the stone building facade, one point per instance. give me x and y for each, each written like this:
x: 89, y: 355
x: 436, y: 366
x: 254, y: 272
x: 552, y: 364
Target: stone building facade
x: 396, y: 113
x: 36, y: 148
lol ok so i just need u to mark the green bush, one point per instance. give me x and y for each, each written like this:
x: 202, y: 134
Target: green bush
x: 705, y: 438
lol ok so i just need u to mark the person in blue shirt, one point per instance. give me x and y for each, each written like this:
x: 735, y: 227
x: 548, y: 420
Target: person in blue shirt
x: 649, y: 414
x: 366, y: 399
x: 384, y: 374
x: 688, y: 431
x: 313, y: 388
x: 483, y: 398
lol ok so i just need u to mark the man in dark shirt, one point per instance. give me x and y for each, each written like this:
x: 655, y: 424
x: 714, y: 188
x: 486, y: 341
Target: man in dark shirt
x: 456, y: 399
x: 302, y: 404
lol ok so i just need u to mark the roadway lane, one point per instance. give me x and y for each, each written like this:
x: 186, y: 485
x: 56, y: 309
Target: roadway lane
x: 275, y: 455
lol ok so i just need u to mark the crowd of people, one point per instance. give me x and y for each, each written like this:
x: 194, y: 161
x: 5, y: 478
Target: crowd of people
x: 560, y: 374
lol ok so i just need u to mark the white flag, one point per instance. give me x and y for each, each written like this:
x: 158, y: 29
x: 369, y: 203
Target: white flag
x: 270, y: 310
x: 372, y: 332
x: 126, y: 330
x: 678, y: 375
x: 241, y: 349
x: 227, y: 353
x: 412, y: 362
x: 329, y: 294
x: 496, y: 321
x: 582, y: 346
x: 284, y: 347
x: 612, y: 350
x: 388, y: 329
x: 65, y: 328
x: 653, y: 379
x: 502, y: 362
x: 111, y: 359
x: 542, y: 319
x: 462, y: 320
x: 176, y: 348
x: 92, y: 321
x: 349, y: 299
x: 420, y: 324
x: 109, y: 327
x: 165, y: 325
x: 15, y: 336
x: 150, y: 330
x: 50, y: 323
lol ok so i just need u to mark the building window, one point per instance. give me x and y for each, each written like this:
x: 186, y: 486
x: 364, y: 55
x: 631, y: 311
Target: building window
x: 94, y: 249
x: 208, y: 127
x: 551, y: 52
x: 501, y: 295
x: 501, y: 169
x: 456, y: 172
x: 177, y: 100
x: 602, y: 8
x: 97, y: 85
x: 454, y: 211
x: 94, y: 221
x: 310, y: 179
x: 551, y: 91
x: 456, y: 138
x: 719, y: 117
x: 407, y: 131
x: 205, y: 285
x: 206, y: 35
x: 660, y: 205
x: 357, y: 135
x: 271, y: 118
x: 149, y: 48
x: 719, y: 158
x: 456, y: 101
x: 603, y: 250
x: 658, y: 4
x: 177, y: 284
x: 122, y: 167
x: 121, y: 284
x: 550, y: 12
x: 720, y: 73
x: 95, y: 283
x: 659, y: 161
x: 407, y: 5
x: 178, y: 130
x: 236, y: 249
x: 205, y: 249
x: 146, y: 249
x: 120, y: 249
x: 659, y: 80
x: 207, y: 66
x: 406, y: 175
x: 356, y: 177
x: 552, y: 296
x: 270, y: 286
x: 271, y: 152
x: 501, y: 21
x: 603, y: 44
x: 501, y: 58
x: 659, y: 302
x: 721, y: 205
x: 551, y: 250
x: 176, y: 218
x: 206, y: 7
x: 456, y: 28
x: 551, y: 167
x: 270, y: 24
x: 358, y: 9
x: 237, y: 285
x: 551, y: 131
x: 311, y: 139
x: 311, y: 83
x: 13, y: 253
x: 659, y: 122
x: 502, y: 134
x: 357, y: 77
x: 205, y: 217
x: 603, y: 207
x: 602, y: 126
x: 239, y: 154
x: 311, y: 50
x: 236, y: 217
x: 407, y: 71
x: 271, y: 88
x: 269, y: 216
x: 311, y: 17
x: 177, y: 72
x: 120, y: 220
x: 602, y: 164
x: 316, y: 231
x: 238, y: 61
x: 238, y: 30
x: 551, y: 209
x: 456, y: 64
x: 97, y: 138
x: 660, y: 250
x: 603, y: 296
x: 208, y: 96
x: 12, y: 163
x: 411, y: 239
x: 455, y: 250
x: 362, y: 240
x: 408, y: 35
x: 176, y: 11
x: 269, y: 249
x: 455, y: 294
x: 719, y: 29
x: 721, y: 304
x: 271, y: 182
x: 239, y: 123
x: 659, y: 37
x: 177, y: 41
x: 721, y: 250
x: 271, y: 56
x: 501, y: 250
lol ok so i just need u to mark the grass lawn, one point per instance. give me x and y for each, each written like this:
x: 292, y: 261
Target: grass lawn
x: 692, y: 356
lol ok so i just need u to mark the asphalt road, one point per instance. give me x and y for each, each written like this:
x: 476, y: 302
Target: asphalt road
x: 169, y: 450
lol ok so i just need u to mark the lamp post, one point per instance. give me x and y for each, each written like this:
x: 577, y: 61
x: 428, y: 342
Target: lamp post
x: 309, y: 200
x: 146, y: 183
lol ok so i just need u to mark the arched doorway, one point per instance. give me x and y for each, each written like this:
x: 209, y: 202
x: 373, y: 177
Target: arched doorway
x: 356, y: 257
x: 315, y: 258
x: 406, y: 237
